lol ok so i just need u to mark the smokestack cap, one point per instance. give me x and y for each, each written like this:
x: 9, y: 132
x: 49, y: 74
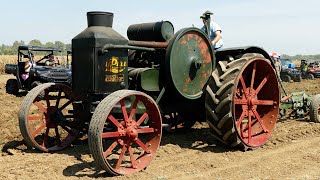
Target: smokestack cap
x: 100, y: 18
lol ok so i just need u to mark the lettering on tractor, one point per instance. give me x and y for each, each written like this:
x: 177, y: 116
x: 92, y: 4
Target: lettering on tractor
x: 114, y: 78
x: 115, y: 66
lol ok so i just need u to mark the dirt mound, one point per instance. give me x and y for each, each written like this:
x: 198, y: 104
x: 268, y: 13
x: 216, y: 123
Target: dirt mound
x: 292, y: 152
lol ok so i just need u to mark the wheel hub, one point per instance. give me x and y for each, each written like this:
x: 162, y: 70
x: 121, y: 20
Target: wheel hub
x: 51, y: 117
x: 128, y: 132
x: 250, y: 101
x: 132, y: 133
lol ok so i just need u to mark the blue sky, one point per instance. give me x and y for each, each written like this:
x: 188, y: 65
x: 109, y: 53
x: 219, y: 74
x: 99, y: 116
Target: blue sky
x: 287, y: 26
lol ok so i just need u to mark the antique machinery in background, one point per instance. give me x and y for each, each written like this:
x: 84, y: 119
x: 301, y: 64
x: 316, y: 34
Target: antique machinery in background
x: 122, y: 88
x: 300, y: 105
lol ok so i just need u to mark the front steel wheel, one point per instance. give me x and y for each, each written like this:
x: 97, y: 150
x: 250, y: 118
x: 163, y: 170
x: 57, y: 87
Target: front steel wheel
x: 48, y: 124
x: 125, y: 132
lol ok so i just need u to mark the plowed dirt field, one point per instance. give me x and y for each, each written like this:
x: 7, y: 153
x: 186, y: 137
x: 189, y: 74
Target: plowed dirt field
x: 293, y: 152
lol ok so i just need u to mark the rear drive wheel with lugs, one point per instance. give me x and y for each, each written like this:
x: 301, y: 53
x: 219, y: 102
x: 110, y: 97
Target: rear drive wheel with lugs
x: 125, y: 132
x: 242, y: 101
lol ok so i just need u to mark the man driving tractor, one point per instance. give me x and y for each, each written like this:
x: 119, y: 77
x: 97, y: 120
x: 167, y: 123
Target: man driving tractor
x: 51, y: 61
x: 212, y: 29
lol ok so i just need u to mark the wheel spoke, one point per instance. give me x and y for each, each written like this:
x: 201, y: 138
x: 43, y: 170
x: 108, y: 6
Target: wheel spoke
x: 110, y: 134
x: 32, y: 118
x: 260, y: 120
x: 244, y: 86
x: 133, y: 161
x: 142, y: 145
x: 58, y: 99
x: 263, y: 82
x: 57, y: 135
x: 67, y: 129
x: 39, y: 129
x: 65, y: 105
x: 124, y: 148
x: 241, y: 130
x: 241, y: 118
x: 69, y: 116
x: 114, y: 121
x: 249, y: 128
x: 253, y: 75
x: 142, y: 118
x: 108, y: 151
x: 239, y: 101
x: 134, y: 107
x: 124, y: 110
x: 46, y: 94
x: 238, y: 93
x: 265, y: 102
x: 40, y: 106
x: 146, y: 130
x: 45, y: 138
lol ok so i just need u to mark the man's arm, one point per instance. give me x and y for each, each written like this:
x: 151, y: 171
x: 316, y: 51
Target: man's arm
x: 27, y: 65
x: 217, y: 37
x: 48, y: 63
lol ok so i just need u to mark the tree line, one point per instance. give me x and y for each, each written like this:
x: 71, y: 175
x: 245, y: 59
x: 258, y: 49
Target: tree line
x: 300, y: 57
x: 12, y: 49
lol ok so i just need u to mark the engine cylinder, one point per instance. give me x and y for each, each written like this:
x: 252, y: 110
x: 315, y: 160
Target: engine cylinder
x: 155, y: 31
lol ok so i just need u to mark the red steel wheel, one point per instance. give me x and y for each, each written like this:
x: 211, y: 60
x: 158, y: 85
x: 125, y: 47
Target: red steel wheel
x: 46, y: 123
x: 125, y: 132
x: 255, y: 102
x: 242, y: 101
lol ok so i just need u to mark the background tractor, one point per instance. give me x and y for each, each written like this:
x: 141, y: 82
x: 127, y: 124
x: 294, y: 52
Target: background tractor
x: 288, y: 72
x: 122, y: 90
x: 38, y: 73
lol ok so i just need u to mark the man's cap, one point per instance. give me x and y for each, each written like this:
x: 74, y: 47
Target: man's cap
x: 206, y: 15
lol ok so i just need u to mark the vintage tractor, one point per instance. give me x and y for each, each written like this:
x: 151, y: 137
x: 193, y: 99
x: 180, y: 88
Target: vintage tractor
x: 39, y: 73
x: 122, y: 90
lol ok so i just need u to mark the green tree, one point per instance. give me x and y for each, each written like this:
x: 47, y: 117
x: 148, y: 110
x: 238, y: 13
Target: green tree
x: 16, y: 44
x: 35, y: 42
x: 2, y: 49
x: 68, y: 47
x: 50, y: 44
x: 59, y: 44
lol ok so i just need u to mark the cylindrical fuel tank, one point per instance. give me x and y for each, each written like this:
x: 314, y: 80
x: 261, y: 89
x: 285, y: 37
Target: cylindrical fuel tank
x: 92, y: 70
x: 155, y: 31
